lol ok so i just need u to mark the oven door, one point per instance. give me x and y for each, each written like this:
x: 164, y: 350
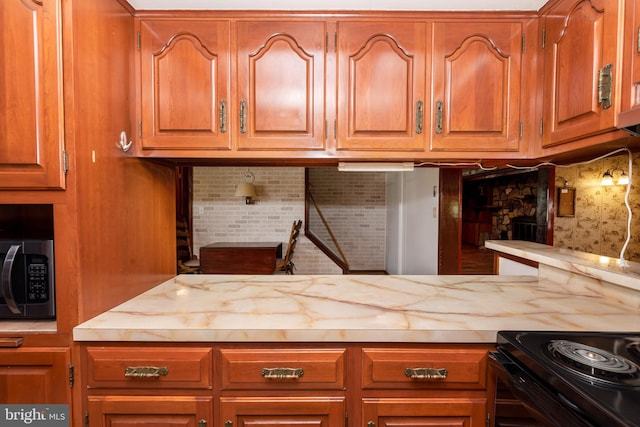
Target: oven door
x: 546, y: 407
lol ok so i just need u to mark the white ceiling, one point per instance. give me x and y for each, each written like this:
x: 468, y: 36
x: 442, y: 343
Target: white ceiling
x: 337, y: 4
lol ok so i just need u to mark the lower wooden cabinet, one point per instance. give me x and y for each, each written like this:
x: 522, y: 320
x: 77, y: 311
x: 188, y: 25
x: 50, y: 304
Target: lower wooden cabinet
x: 282, y: 411
x: 37, y: 375
x: 423, y: 412
x: 166, y: 411
x: 284, y: 384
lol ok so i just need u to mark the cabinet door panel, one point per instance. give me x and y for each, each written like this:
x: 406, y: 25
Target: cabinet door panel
x: 381, y: 86
x: 31, y: 140
x: 476, y: 91
x: 581, y: 39
x: 454, y: 412
x: 283, y: 411
x: 630, y: 97
x: 35, y: 376
x: 281, y: 85
x: 167, y: 411
x: 185, y: 84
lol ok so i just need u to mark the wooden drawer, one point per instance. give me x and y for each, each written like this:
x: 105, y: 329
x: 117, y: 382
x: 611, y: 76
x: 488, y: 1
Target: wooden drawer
x: 410, y: 368
x: 283, y: 368
x: 149, y: 367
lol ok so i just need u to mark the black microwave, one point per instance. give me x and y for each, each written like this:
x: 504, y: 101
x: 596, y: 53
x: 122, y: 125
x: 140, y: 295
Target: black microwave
x: 28, y: 279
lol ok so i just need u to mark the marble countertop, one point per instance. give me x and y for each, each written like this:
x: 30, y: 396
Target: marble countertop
x: 352, y: 308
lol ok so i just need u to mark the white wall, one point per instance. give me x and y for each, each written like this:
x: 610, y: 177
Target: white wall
x: 412, y: 222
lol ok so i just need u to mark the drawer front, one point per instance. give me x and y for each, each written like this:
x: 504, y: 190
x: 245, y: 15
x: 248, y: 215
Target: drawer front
x: 424, y: 368
x: 258, y: 369
x: 149, y: 367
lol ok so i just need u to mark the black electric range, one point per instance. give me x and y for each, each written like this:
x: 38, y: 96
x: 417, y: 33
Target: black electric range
x: 567, y: 379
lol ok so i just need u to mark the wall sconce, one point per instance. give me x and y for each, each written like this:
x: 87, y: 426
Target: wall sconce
x: 607, y: 178
x: 247, y: 189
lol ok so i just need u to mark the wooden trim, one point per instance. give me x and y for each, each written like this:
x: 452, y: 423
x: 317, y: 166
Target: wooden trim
x: 514, y: 258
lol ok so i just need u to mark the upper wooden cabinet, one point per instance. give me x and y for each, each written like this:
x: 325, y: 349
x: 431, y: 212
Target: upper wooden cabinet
x: 476, y: 86
x: 581, y: 44
x: 31, y: 130
x: 185, y: 85
x: 381, y: 86
x: 630, y: 96
x: 280, y: 80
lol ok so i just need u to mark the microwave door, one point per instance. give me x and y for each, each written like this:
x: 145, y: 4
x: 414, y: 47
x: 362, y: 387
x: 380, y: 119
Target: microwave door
x: 13, y: 280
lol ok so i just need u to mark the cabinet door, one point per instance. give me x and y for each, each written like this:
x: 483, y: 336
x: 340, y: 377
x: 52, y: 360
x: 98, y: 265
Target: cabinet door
x: 381, y: 83
x: 282, y: 411
x: 476, y: 86
x: 630, y: 96
x: 281, y: 85
x: 184, y: 68
x: 427, y: 412
x: 31, y: 131
x: 167, y: 411
x: 35, y: 376
x: 581, y: 40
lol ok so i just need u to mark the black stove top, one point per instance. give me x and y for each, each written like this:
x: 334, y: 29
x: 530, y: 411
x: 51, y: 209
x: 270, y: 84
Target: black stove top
x: 597, y: 373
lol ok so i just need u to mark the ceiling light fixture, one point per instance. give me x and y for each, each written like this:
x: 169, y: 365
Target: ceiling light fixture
x: 375, y: 166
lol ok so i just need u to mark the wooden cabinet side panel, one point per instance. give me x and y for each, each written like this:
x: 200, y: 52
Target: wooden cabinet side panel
x: 630, y: 93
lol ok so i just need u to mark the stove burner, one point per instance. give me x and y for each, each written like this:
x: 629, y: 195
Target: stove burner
x: 593, y: 363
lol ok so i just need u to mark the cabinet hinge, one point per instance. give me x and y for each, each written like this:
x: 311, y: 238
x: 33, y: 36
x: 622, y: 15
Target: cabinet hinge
x: 326, y: 130
x: 326, y: 43
x: 139, y: 42
x: 139, y: 128
x: 335, y: 41
x: 523, y: 43
x: 488, y: 423
x: 335, y: 129
x: 544, y: 37
x: 346, y: 419
x: 72, y: 377
x: 86, y: 419
x: 541, y: 129
x: 65, y: 161
x: 521, y: 129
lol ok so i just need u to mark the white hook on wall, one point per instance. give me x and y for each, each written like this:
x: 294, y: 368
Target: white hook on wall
x: 123, y: 144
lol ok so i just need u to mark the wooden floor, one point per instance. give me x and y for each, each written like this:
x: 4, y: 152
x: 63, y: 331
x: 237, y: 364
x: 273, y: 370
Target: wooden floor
x: 476, y: 260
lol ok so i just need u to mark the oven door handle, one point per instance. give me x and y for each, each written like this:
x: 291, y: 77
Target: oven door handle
x: 7, y: 286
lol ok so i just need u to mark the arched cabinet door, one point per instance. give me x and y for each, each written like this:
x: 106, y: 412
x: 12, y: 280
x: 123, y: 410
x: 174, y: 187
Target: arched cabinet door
x: 185, y: 84
x: 381, y: 86
x: 280, y: 103
x: 476, y: 86
x: 581, y: 39
x: 31, y: 113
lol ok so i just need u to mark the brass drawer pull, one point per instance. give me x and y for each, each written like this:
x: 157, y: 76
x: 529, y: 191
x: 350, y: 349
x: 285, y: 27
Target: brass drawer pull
x: 282, y: 373
x: 426, y: 373
x: 145, y: 371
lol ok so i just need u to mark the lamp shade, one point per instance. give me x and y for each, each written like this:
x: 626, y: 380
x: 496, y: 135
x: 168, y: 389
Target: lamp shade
x: 245, y: 190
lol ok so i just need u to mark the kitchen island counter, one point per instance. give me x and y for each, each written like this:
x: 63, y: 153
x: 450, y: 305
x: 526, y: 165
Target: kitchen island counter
x: 353, y: 308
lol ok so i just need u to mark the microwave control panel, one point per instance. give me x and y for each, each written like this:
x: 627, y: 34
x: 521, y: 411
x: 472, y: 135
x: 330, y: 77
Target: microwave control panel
x: 37, y: 279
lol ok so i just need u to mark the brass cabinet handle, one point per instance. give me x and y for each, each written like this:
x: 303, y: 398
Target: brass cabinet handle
x: 282, y: 373
x: 243, y: 116
x: 605, y: 86
x: 223, y: 116
x: 426, y: 373
x: 439, y: 117
x: 145, y: 371
x: 419, y: 116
